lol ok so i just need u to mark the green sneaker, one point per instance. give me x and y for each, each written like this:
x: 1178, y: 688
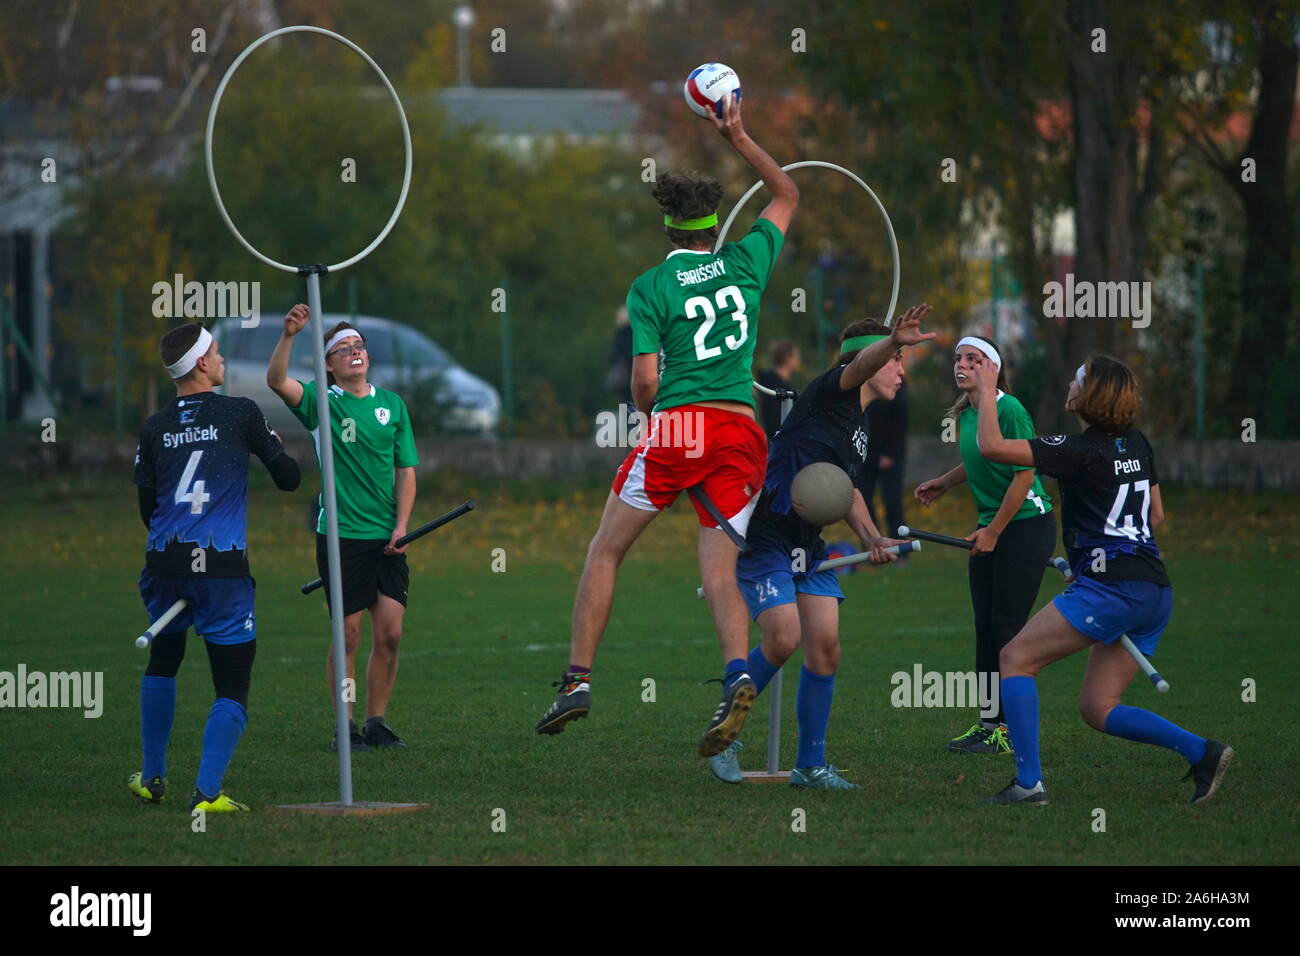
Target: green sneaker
x: 726, y: 764
x: 150, y: 791
x: 820, y: 778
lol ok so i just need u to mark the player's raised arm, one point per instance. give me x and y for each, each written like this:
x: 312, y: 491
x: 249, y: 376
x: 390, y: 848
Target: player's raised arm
x: 785, y: 194
x: 277, y: 371
x: 1008, y: 451
x: 870, y: 360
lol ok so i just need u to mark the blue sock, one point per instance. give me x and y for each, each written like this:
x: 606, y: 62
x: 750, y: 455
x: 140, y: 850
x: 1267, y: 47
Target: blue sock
x: 1020, y: 705
x: 734, y: 669
x: 157, y: 711
x: 759, y: 669
x: 1134, y: 723
x: 226, y: 722
x: 813, y: 709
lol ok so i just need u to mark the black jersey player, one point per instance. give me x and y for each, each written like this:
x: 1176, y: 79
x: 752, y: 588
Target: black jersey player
x: 191, y: 469
x: 1111, y: 507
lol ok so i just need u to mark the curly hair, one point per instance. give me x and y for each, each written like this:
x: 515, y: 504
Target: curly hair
x: 688, y: 195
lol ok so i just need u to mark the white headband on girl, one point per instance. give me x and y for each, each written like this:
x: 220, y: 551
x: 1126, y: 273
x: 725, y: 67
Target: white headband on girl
x: 183, y: 365
x: 1078, y: 377
x: 339, y: 336
x: 980, y: 345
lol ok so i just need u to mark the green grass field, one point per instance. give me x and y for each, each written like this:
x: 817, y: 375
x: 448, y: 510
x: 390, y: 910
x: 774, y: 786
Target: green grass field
x: 625, y: 786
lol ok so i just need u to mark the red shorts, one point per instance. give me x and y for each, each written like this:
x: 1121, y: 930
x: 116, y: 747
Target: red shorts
x: 724, y: 452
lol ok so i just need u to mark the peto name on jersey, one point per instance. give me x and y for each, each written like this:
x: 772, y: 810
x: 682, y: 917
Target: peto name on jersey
x: 710, y: 270
x: 189, y: 436
x: 1127, y: 466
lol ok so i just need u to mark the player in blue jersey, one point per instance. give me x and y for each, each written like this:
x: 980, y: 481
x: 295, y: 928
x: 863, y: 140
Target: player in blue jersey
x: 791, y: 602
x: 1110, y: 509
x: 191, y: 469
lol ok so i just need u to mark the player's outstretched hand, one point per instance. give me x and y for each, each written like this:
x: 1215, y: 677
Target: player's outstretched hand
x: 907, y: 330
x: 296, y: 320
x: 986, y: 375
x: 927, y: 492
x: 729, y: 124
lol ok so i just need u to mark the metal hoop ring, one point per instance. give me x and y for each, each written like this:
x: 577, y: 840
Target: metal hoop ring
x: 212, y: 176
x: 889, y: 227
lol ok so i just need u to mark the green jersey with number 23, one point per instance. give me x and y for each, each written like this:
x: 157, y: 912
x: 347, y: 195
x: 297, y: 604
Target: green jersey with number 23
x: 700, y: 309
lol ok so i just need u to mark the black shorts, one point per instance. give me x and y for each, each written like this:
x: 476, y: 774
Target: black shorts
x: 367, y: 572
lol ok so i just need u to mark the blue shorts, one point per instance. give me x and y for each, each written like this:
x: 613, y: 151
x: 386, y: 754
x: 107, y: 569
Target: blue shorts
x: 1106, y: 612
x: 220, y: 609
x: 766, y: 580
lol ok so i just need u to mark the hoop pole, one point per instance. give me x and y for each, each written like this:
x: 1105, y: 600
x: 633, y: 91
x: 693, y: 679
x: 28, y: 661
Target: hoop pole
x: 325, y: 448
x: 212, y: 176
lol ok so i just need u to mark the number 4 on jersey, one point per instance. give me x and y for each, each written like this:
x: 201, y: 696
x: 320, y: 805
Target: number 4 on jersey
x: 196, y: 496
x: 1127, y: 529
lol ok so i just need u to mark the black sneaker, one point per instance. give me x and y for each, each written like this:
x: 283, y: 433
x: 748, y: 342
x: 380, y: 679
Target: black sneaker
x: 379, y: 734
x: 982, y: 740
x: 1014, y: 793
x: 572, y: 703
x: 1209, y: 771
x: 730, y: 716
x: 358, y: 742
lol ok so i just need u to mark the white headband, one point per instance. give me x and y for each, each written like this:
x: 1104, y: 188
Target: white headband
x: 186, y: 362
x: 339, y: 336
x: 981, y: 346
x: 1078, y: 377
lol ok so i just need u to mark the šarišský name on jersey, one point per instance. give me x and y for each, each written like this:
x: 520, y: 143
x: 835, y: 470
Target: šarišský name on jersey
x: 710, y: 270
x: 189, y: 436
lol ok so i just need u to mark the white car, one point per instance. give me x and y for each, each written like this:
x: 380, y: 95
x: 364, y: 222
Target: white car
x: 402, y: 360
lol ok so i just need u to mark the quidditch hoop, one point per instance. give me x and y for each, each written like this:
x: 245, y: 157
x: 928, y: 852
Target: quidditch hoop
x: 889, y: 227
x: 212, y: 176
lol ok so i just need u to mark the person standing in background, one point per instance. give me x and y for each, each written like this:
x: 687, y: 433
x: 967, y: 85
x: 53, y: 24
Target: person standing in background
x: 785, y: 362
x: 884, y: 464
x: 618, y: 379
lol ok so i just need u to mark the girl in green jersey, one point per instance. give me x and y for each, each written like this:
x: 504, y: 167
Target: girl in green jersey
x: 1011, y: 544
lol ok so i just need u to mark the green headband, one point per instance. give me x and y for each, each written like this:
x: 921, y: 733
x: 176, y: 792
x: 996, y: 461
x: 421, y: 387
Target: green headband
x: 860, y: 342
x: 705, y: 222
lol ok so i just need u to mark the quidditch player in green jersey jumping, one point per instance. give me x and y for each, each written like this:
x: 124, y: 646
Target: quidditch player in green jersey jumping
x: 699, y: 310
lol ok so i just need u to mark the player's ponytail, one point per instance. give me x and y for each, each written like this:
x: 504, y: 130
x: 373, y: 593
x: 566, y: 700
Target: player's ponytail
x: 686, y: 196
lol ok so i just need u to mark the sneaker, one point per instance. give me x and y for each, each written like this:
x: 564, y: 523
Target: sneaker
x: 1014, y: 793
x: 729, y: 718
x: 982, y: 740
x: 726, y: 764
x: 150, y: 791
x: 218, y: 804
x: 358, y: 741
x: 1209, y: 771
x: 572, y: 703
x: 379, y: 734
x: 820, y: 778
